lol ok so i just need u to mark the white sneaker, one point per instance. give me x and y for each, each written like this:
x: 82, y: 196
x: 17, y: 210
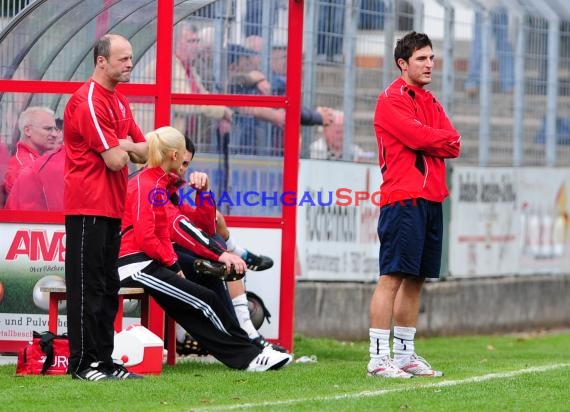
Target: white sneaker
x: 418, y: 366
x: 269, y: 359
x: 386, y: 368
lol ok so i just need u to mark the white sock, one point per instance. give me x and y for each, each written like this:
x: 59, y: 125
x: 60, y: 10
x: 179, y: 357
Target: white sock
x: 242, y: 313
x: 235, y: 248
x: 403, y: 343
x: 379, y: 343
x: 230, y: 244
x: 180, y: 333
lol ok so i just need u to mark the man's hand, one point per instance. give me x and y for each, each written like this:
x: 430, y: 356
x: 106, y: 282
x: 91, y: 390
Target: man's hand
x: 115, y: 158
x: 138, y: 152
x: 229, y: 259
x: 327, y: 114
x: 199, y: 181
x: 181, y: 275
x: 134, y: 158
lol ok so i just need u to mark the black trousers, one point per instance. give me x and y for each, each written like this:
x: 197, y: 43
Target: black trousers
x: 186, y: 260
x: 92, y: 281
x: 200, y: 311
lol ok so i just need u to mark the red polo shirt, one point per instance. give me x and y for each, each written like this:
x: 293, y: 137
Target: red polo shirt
x: 95, y: 119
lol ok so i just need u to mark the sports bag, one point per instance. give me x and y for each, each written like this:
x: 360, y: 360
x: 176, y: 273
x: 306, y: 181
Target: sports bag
x: 46, y: 354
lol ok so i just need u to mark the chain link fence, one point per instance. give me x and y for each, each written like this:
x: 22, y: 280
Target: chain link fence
x: 502, y: 73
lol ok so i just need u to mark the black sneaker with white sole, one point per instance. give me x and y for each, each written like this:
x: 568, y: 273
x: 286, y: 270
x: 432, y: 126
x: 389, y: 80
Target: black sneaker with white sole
x: 257, y: 263
x: 93, y: 373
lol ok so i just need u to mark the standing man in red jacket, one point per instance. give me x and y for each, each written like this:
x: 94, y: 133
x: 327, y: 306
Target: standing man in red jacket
x: 100, y: 136
x: 414, y: 137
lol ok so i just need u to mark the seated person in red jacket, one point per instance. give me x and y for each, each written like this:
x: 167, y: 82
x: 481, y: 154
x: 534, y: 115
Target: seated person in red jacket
x: 147, y: 259
x: 38, y: 134
x: 195, y: 234
x: 39, y: 186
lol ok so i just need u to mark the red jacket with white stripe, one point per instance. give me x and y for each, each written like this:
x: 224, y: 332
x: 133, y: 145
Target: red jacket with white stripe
x: 40, y: 186
x: 190, y: 226
x: 146, y: 222
x: 24, y: 156
x: 414, y: 136
x: 193, y: 227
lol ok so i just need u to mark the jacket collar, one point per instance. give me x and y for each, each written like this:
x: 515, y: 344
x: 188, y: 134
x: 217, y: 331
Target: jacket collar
x: 166, y: 178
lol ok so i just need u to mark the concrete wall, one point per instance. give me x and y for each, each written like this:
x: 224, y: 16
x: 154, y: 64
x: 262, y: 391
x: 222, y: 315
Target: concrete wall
x: 450, y: 307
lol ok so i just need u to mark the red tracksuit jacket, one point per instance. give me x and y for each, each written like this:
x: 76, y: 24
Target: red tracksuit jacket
x: 146, y: 221
x: 414, y: 137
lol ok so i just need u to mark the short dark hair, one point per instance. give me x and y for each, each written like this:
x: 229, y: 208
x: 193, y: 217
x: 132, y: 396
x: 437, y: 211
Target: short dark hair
x: 190, y: 147
x: 59, y: 123
x: 102, y: 48
x: 407, y: 45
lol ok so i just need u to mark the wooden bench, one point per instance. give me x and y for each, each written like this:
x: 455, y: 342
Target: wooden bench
x: 152, y: 316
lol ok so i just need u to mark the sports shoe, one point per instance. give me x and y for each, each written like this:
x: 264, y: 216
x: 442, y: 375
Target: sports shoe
x: 120, y: 372
x: 93, y: 373
x: 418, y: 366
x: 269, y: 359
x: 258, y: 263
x: 190, y: 346
x: 386, y: 368
x: 216, y: 269
x: 262, y: 343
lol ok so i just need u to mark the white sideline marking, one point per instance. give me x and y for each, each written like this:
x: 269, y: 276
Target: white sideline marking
x: 380, y: 392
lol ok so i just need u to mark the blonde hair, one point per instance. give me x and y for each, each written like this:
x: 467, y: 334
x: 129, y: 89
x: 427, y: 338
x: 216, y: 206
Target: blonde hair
x: 161, y: 141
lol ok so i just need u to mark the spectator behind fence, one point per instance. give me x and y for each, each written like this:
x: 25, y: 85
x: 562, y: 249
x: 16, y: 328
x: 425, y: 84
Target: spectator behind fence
x: 414, y: 137
x: 185, y: 79
x: 249, y: 134
x: 504, y: 51
x: 38, y: 135
x: 320, y: 116
x: 257, y: 79
x: 330, y: 145
x: 100, y: 137
x: 204, y: 63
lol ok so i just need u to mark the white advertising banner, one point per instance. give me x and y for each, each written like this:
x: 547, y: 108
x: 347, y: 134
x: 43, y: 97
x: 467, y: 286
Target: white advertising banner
x: 337, y: 221
x: 509, y: 221
x: 544, y: 217
x: 484, y: 223
x: 33, y: 256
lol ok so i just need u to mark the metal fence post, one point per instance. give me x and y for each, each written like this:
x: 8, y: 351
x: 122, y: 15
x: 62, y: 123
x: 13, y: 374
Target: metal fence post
x: 350, y: 27
x: 485, y: 90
